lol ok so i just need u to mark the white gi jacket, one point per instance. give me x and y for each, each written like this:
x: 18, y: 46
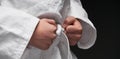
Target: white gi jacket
x: 18, y: 19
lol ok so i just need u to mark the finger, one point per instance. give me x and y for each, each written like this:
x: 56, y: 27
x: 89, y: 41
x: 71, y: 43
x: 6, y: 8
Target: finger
x: 53, y: 28
x: 45, y: 44
x: 64, y: 26
x: 41, y: 43
x: 53, y: 36
x: 74, y: 37
x: 50, y: 36
x: 69, y: 20
x: 52, y: 25
x: 72, y: 43
x: 77, y: 23
x: 73, y: 29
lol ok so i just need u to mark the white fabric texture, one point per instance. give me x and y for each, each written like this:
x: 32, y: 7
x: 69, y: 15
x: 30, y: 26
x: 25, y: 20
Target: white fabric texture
x: 18, y: 19
x: 16, y: 28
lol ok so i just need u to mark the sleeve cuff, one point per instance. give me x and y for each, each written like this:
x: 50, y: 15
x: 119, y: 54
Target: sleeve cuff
x: 89, y: 31
x: 88, y: 36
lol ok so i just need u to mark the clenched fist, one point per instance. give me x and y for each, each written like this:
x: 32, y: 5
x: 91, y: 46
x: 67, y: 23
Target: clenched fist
x: 44, y: 34
x: 73, y: 30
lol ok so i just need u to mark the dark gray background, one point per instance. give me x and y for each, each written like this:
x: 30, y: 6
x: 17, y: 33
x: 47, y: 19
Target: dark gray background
x: 105, y: 15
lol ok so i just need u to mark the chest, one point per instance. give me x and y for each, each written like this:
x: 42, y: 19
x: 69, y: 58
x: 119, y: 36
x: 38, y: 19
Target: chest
x: 38, y: 7
x: 25, y: 4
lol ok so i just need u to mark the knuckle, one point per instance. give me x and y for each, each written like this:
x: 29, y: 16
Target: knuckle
x: 53, y: 36
x: 73, y: 43
x: 68, y: 29
x: 78, y: 36
x: 54, y: 28
x: 45, y: 48
x: 54, y: 21
x: 49, y: 44
x: 80, y: 28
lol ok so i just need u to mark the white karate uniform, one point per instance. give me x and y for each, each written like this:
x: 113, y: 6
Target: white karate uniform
x: 18, y: 19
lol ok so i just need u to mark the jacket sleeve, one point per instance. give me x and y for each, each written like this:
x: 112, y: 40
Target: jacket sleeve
x: 89, y: 31
x: 16, y: 28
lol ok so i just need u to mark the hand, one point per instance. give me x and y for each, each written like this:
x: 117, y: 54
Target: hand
x: 44, y: 34
x: 73, y: 30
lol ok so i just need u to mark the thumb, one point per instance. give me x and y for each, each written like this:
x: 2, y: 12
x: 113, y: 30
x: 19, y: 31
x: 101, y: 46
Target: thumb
x: 51, y: 21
